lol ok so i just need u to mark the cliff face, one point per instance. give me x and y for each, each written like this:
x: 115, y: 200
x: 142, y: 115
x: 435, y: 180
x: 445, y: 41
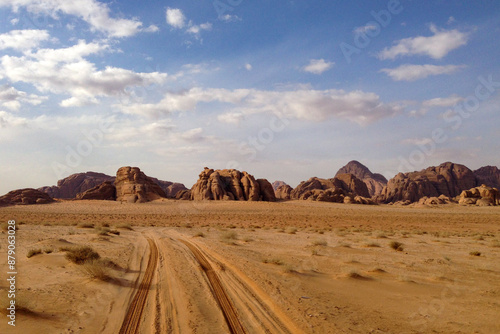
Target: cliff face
x: 374, y: 182
x: 74, y: 184
x: 133, y: 186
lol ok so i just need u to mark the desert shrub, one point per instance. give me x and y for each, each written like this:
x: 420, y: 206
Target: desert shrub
x: 319, y: 242
x: 96, y: 269
x: 33, y: 252
x: 276, y: 261
x: 372, y: 244
x: 230, y: 235
x: 85, y: 225
x: 396, y: 245
x: 81, y: 254
x: 475, y: 253
x: 125, y: 227
x: 115, y: 232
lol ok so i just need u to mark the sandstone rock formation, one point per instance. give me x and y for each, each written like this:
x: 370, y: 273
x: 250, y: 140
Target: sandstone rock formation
x: 374, y: 182
x: 183, y: 195
x: 480, y: 196
x: 106, y: 191
x: 283, y: 192
x: 488, y: 175
x: 431, y: 201
x: 133, y: 186
x: 447, y: 179
x: 230, y: 184
x: 277, y: 184
x: 345, y: 188
x: 25, y: 197
x: 170, y: 188
x: 77, y: 183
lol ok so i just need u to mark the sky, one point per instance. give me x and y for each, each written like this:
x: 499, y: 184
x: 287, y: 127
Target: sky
x: 285, y: 90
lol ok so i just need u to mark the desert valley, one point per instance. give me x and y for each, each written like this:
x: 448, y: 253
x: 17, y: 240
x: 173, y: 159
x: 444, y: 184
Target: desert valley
x: 356, y: 253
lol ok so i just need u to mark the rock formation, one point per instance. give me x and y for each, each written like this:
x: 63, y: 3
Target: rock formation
x: 480, y: 196
x: 344, y: 188
x: 133, y: 186
x: 106, y: 191
x: 447, y: 179
x: 183, y: 195
x: 25, y: 197
x: 374, y: 182
x: 77, y: 183
x: 170, y: 188
x: 283, y: 192
x: 230, y: 184
x: 488, y: 175
x: 277, y: 184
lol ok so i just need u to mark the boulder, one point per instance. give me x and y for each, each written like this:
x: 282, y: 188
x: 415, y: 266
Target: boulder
x: 26, y: 196
x: 106, y: 191
x: 231, y: 184
x: 447, y: 179
x: 480, y: 196
x: 133, y: 186
x: 374, y: 182
x: 74, y: 184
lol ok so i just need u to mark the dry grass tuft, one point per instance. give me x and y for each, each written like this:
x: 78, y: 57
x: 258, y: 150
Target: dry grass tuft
x: 97, y: 269
x: 397, y: 246
x: 475, y: 253
x: 319, y: 242
x: 33, y: 252
x: 81, y: 254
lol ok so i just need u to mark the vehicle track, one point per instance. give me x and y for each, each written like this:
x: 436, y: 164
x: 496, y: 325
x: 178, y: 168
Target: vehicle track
x: 133, y: 317
x: 222, y: 298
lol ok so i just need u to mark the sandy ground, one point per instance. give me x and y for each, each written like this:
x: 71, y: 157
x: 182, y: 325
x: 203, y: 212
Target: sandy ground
x: 291, y: 267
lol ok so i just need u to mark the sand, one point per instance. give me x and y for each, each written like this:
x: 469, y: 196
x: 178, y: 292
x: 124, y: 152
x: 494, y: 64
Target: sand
x: 235, y: 267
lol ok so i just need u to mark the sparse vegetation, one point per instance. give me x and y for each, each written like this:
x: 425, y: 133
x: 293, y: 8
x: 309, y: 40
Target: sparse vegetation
x: 475, y: 253
x: 288, y: 269
x: 115, y: 232
x: 34, y: 251
x: 81, y: 254
x: 372, y: 244
x: 397, y: 246
x: 276, y: 261
x: 320, y: 242
x: 199, y: 235
x: 96, y: 268
x: 381, y: 236
x: 48, y: 250
x: 85, y: 225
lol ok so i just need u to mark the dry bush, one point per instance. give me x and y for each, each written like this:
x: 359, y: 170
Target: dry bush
x: 475, y: 253
x: 96, y: 269
x: 230, y: 235
x: 85, y: 225
x: 396, y: 245
x: 81, y: 254
x: 319, y: 242
x: 33, y: 252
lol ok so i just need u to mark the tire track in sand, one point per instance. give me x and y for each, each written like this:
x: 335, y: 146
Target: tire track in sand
x: 225, y: 303
x: 134, y: 313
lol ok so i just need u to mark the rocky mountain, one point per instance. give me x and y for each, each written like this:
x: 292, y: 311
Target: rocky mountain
x: 231, y: 184
x: 170, y: 188
x: 488, y: 175
x: 343, y: 188
x: 374, y: 182
x: 277, y: 184
x: 74, y: 184
x: 25, y: 197
x: 448, y: 179
x: 133, y: 186
x: 283, y: 192
x: 106, y: 191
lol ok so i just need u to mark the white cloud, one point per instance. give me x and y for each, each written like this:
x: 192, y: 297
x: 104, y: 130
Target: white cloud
x: 23, y: 40
x: 365, y: 29
x: 318, y: 66
x: 95, y: 13
x: 436, y: 46
x: 196, y: 29
x: 231, y: 118
x: 65, y: 71
x: 451, y: 20
x: 229, y: 18
x: 175, y: 18
x: 449, y: 101
x: 311, y: 105
x: 14, y: 21
x: 248, y: 66
x: 12, y: 98
x: 410, y: 72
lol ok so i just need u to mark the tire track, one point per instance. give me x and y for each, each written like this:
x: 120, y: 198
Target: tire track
x: 134, y: 313
x: 225, y: 303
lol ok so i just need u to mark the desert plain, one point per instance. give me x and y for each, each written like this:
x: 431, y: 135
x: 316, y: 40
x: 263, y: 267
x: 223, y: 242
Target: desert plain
x: 172, y: 266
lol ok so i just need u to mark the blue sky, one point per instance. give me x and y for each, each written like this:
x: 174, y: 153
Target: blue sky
x: 282, y: 89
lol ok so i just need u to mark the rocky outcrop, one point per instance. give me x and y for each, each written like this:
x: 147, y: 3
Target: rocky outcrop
x: 277, y: 184
x: 447, y: 179
x: 374, y: 182
x: 25, y: 197
x: 345, y: 188
x: 488, y: 175
x: 170, y: 188
x: 74, y: 184
x: 106, y: 191
x: 231, y: 184
x: 133, y: 186
x: 183, y: 195
x: 283, y: 192
x: 480, y: 196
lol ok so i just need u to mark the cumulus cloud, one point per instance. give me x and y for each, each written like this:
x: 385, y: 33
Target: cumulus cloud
x: 23, y: 40
x: 66, y: 71
x: 437, y: 46
x: 95, y: 13
x: 175, y: 18
x: 438, y: 102
x: 8, y: 120
x: 12, y: 98
x: 311, y: 105
x: 318, y: 66
x: 410, y: 72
